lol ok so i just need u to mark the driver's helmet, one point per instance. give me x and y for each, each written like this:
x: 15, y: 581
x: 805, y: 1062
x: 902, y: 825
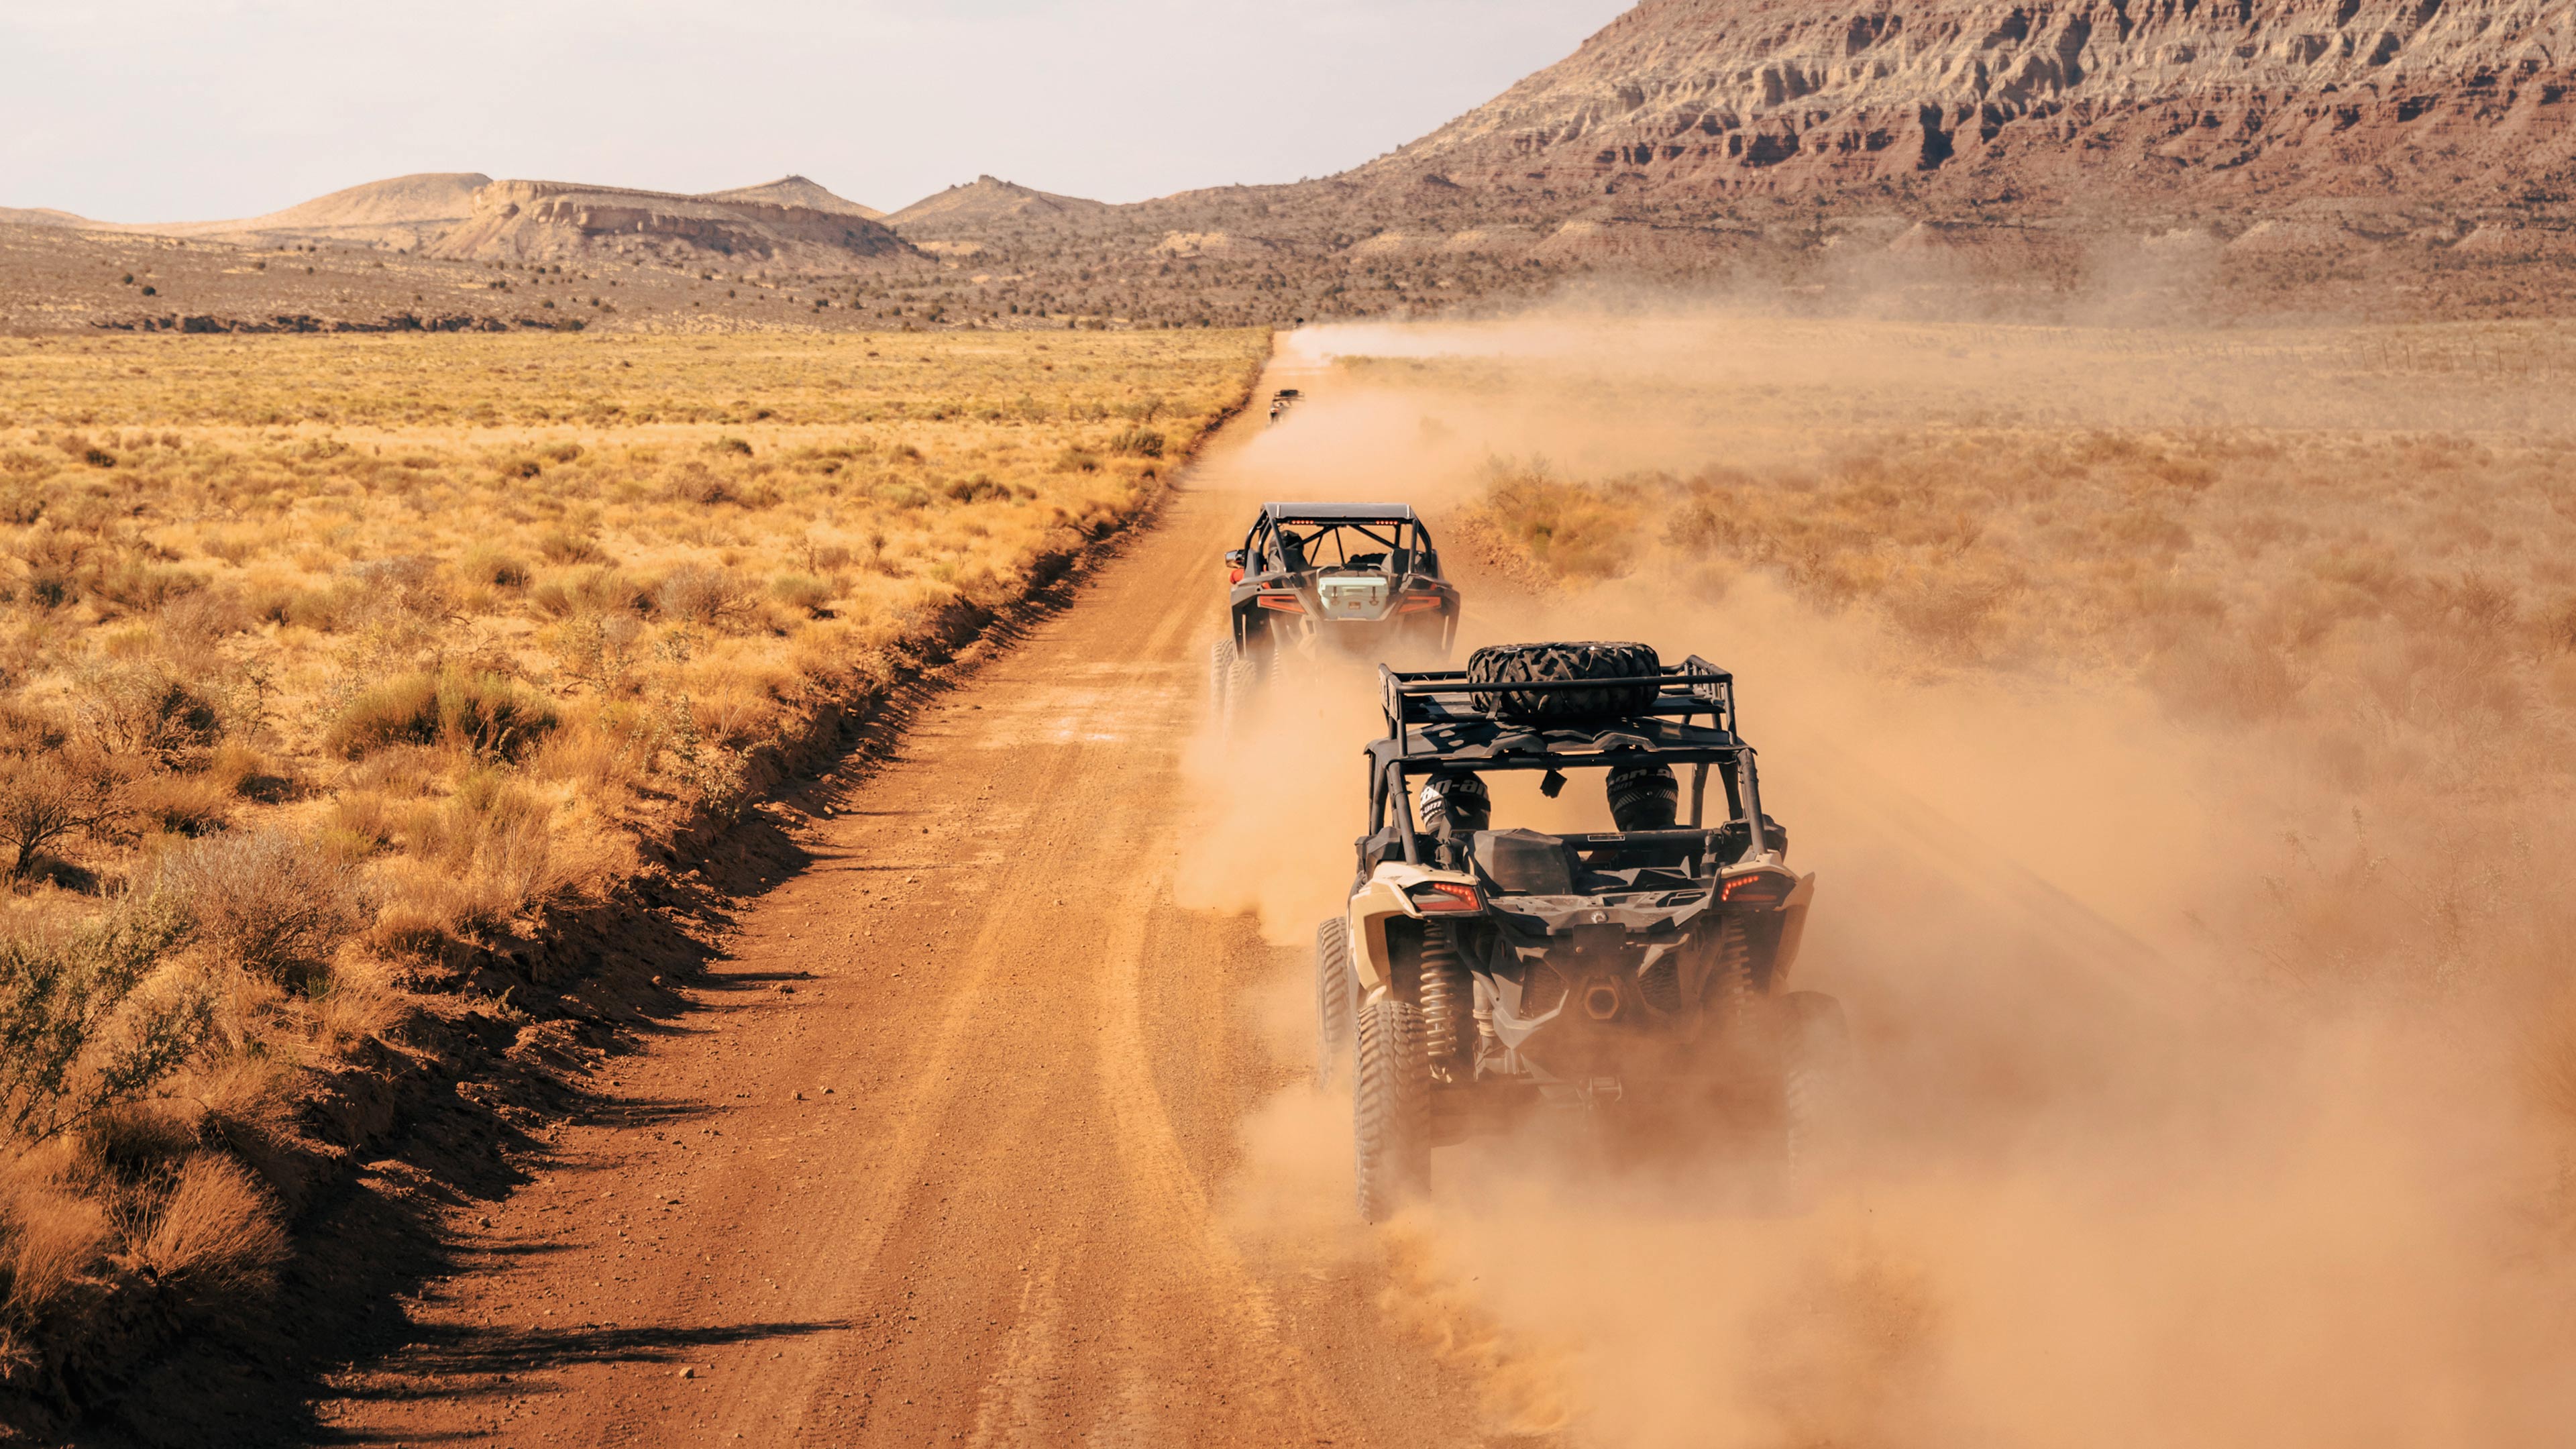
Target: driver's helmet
x: 1456, y: 805
x: 1644, y: 797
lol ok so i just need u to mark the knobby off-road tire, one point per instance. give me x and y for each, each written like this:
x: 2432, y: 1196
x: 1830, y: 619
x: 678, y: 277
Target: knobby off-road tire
x: 1333, y: 998
x: 1242, y: 681
x: 1246, y: 679
x: 1221, y: 679
x: 1815, y: 1085
x: 1508, y: 664
x: 1233, y: 675
x: 1391, y: 1108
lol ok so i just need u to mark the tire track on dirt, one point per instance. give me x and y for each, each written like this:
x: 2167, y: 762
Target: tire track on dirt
x: 1286, y: 1391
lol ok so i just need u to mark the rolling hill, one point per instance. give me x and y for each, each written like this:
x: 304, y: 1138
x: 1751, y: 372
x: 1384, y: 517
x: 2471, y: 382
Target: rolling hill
x: 796, y: 191
x: 989, y: 201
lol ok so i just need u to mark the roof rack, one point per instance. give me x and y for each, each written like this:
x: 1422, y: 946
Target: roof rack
x: 1443, y: 696
x: 1433, y: 725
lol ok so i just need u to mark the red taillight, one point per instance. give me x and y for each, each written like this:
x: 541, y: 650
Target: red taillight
x: 1416, y: 603
x: 1234, y: 575
x: 1761, y: 888
x: 1441, y: 895
x: 1285, y: 603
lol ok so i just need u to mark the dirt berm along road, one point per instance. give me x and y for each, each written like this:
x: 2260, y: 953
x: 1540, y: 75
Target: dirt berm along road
x: 995, y: 1214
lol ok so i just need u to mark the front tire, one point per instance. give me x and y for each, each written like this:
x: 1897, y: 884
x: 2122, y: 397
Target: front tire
x: 1391, y: 1108
x: 1332, y: 997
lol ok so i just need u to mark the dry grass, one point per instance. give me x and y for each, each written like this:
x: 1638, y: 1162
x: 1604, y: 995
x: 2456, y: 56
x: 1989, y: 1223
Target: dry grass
x: 339, y: 652
x: 213, y: 1233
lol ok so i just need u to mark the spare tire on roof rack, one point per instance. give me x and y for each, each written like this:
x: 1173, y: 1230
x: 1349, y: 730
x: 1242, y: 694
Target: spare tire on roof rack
x: 1492, y: 669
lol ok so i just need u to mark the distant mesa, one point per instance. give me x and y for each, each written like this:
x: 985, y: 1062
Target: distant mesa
x: 790, y: 223
x: 987, y: 200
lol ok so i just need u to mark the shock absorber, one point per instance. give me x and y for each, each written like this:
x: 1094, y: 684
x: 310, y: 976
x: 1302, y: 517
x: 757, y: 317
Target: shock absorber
x: 1447, y: 997
x: 1730, y: 978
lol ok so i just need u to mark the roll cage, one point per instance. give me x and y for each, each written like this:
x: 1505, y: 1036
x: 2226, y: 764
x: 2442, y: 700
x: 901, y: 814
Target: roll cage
x: 1435, y: 729
x: 1402, y: 544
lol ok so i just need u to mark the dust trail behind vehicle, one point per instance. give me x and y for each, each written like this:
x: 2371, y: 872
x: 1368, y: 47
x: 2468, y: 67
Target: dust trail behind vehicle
x: 2133, y: 1166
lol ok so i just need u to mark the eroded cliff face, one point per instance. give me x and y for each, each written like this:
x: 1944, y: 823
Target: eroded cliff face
x: 553, y: 220
x: 2084, y: 104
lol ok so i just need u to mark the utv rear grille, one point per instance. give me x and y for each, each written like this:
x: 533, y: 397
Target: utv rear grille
x: 1541, y: 990
x: 1661, y: 983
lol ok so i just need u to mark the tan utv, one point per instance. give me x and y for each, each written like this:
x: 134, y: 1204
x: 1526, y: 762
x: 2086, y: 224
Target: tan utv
x: 1478, y: 972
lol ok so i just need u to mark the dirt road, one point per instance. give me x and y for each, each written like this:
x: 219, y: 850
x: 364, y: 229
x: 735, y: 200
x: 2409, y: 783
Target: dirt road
x: 942, y: 1155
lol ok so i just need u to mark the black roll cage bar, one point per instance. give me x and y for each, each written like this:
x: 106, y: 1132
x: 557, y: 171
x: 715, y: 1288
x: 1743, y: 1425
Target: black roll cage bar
x: 1434, y: 728
x: 1267, y: 527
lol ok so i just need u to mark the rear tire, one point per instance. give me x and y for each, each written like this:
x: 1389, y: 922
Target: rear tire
x: 1246, y: 676
x: 1221, y: 679
x: 1332, y: 998
x: 1391, y: 1108
x: 1234, y: 675
x: 1815, y: 1049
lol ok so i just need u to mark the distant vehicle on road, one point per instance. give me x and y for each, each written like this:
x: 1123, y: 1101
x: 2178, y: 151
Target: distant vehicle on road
x: 1281, y: 401
x: 1360, y: 580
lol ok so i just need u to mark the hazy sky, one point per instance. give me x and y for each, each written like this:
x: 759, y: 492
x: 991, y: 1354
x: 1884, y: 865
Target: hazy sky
x: 177, y: 110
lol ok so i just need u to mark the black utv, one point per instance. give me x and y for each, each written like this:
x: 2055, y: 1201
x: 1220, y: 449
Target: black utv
x: 1361, y: 580
x: 1476, y: 971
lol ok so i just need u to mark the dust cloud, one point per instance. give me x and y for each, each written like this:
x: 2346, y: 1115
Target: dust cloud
x: 2115, y: 1175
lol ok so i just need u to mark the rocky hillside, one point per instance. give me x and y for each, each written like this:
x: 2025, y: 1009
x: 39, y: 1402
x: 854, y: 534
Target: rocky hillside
x: 2088, y: 105
x: 553, y: 221
x: 2379, y: 157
